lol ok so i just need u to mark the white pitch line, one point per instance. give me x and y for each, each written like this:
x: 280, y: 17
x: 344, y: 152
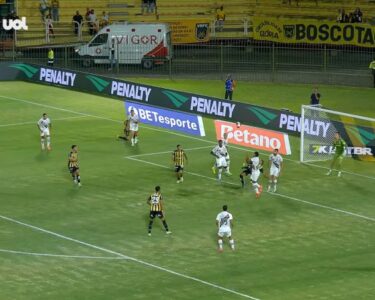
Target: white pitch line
x: 128, y: 257
x: 59, y: 255
x: 325, y: 206
x: 34, y: 122
x: 275, y: 194
x: 187, y: 172
x: 164, y: 131
x: 166, y: 152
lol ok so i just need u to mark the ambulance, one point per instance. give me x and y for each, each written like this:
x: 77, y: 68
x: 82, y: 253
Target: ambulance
x: 147, y: 44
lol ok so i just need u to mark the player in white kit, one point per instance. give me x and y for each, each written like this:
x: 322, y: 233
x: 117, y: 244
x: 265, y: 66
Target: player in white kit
x: 220, y: 152
x: 132, y: 123
x: 256, y: 164
x: 224, y: 222
x: 44, y: 126
x: 227, y: 158
x: 276, y: 163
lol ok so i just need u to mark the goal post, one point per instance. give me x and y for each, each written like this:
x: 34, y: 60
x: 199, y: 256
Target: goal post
x: 318, y: 128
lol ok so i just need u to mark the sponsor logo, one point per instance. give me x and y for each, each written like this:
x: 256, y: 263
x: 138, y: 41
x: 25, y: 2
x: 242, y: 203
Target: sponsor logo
x: 253, y: 137
x: 289, y: 31
x: 130, y: 91
x: 201, y: 31
x: 212, y: 107
x: 268, y: 29
x: 263, y: 115
x: 57, y: 77
x: 17, y: 24
x: 327, y: 149
x: 364, y: 136
x: 177, y: 99
x: 311, y: 127
x: 335, y: 33
x: 99, y: 83
x: 187, y: 123
x: 28, y: 70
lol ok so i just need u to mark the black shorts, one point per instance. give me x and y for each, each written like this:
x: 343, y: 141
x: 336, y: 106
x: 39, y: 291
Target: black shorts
x: 247, y: 171
x: 73, y: 169
x: 178, y: 168
x: 154, y: 214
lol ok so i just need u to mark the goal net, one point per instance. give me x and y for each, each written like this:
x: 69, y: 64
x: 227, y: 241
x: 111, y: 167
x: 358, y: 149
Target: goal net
x: 320, y: 126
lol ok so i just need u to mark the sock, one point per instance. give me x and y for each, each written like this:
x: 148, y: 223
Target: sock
x: 132, y: 141
x: 220, y: 242
x: 219, y: 173
x: 150, y: 226
x: 48, y: 141
x: 78, y: 178
x: 256, y: 187
x: 274, y: 183
x: 165, y: 225
x: 136, y: 140
x: 42, y: 143
x: 242, y: 181
x: 74, y: 177
x: 231, y: 242
x: 228, y: 163
x: 269, y: 184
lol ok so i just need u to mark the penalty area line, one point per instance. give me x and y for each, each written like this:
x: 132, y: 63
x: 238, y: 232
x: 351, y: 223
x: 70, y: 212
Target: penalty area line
x: 59, y: 255
x: 129, y: 258
x: 275, y: 194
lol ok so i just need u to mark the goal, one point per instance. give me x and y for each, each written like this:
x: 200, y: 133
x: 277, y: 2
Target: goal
x: 319, y: 125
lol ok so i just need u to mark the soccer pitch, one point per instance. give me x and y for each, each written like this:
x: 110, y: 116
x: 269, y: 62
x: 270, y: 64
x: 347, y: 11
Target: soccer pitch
x: 313, y: 239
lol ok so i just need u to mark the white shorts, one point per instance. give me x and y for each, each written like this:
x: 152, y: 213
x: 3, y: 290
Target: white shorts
x: 255, y: 175
x: 274, y: 172
x: 133, y: 127
x: 224, y: 232
x: 45, y: 132
x: 221, y: 162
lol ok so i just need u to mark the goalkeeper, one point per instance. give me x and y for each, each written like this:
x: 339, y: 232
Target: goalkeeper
x: 339, y: 145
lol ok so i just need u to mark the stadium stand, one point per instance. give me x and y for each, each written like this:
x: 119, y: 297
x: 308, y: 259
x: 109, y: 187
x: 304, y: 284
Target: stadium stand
x: 237, y: 24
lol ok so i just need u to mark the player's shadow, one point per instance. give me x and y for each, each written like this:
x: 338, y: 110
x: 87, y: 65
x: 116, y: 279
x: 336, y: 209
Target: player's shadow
x: 42, y: 156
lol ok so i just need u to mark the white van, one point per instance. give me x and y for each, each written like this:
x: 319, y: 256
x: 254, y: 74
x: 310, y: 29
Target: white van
x: 128, y: 43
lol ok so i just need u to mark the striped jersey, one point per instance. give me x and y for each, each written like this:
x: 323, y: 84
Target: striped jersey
x: 155, y: 202
x: 179, y: 157
x: 73, y: 160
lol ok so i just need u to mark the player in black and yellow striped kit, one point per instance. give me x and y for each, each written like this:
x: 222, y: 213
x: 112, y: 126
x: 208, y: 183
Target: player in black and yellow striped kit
x: 179, y: 158
x: 156, y: 209
x: 73, y: 165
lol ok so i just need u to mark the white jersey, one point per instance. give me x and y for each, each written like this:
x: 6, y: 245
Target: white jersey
x: 44, y: 124
x: 256, y: 163
x: 133, y: 122
x: 224, y: 219
x: 276, y: 161
x: 220, y: 151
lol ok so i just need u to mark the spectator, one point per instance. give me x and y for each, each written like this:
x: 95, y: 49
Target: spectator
x: 93, y: 27
x: 220, y: 18
x: 43, y: 8
x: 87, y: 15
x: 105, y: 20
x: 342, y: 17
x: 372, y: 67
x: 77, y: 21
x: 145, y: 6
x: 55, y: 6
x: 49, y: 25
x: 51, y: 57
x: 151, y: 6
x: 230, y: 84
x: 357, y: 14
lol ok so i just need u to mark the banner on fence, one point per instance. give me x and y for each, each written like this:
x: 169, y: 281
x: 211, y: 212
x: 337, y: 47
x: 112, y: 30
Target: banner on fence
x: 169, y: 119
x: 211, y: 107
x: 190, y: 31
x: 253, y: 137
x: 313, y: 31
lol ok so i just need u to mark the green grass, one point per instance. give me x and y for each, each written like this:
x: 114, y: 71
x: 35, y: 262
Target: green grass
x: 286, y: 249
